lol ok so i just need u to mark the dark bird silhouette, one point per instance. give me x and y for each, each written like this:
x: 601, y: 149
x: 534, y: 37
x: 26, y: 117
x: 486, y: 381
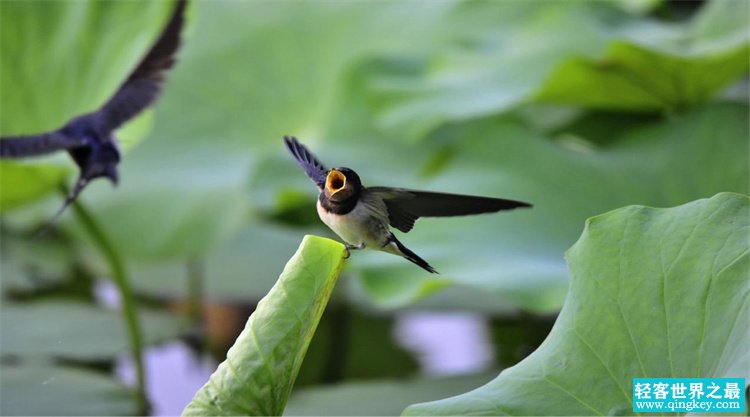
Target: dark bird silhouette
x: 89, y: 138
x: 361, y: 215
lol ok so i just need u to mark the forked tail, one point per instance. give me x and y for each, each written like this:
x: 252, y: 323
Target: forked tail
x: 413, y: 257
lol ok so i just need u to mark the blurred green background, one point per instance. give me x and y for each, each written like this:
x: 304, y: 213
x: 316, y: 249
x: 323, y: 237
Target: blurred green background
x: 577, y: 107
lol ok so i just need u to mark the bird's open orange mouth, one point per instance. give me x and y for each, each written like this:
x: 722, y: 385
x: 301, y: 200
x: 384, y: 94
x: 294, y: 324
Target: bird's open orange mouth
x: 335, y: 181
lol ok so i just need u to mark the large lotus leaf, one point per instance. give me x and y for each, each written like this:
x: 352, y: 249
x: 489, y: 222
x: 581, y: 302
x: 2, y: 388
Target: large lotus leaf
x: 655, y: 67
x: 654, y: 293
x: 624, y: 78
x: 60, y: 60
x: 374, y: 398
x: 52, y: 390
x: 580, y: 54
x: 260, y: 369
x: 518, y: 255
x: 75, y: 330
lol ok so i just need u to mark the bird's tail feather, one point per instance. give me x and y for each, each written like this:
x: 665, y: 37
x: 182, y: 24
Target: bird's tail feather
x: 413, y: 257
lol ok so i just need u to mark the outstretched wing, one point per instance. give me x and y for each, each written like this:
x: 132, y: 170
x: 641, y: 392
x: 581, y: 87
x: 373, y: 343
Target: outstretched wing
x: 144, y: 84
x: 313, y: 168
x: 136, y: 93
x: 406, y: 206
x: 23, y: 146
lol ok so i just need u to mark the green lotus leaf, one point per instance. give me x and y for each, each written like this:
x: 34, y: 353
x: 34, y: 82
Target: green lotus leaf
x: 654, y: 293
x: 581, y: 54
x: 260, y: 369
x: 46, y: 390
x: 76, y: 331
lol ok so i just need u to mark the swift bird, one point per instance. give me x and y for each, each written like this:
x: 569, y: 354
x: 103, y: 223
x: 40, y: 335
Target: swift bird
x: 89, y: 138
x: 361, y: 215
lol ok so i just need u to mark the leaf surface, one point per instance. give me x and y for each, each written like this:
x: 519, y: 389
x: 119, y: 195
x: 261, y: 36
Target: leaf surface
x: 260, y: 369
x: 582, y: 54
x: 76, y: 331
x: 47, y: 390
x: 654, y: 293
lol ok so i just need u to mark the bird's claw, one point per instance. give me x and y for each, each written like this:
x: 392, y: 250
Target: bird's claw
x: 350, y: 248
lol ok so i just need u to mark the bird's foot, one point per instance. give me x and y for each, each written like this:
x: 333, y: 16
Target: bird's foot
x: 350, y: 248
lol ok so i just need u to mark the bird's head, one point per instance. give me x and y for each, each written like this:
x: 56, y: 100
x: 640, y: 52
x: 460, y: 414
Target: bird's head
x: 342, y: 184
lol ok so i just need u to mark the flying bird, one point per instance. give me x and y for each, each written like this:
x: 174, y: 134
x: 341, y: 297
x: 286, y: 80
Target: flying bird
x: 89, y: 138
x: 361, y: 215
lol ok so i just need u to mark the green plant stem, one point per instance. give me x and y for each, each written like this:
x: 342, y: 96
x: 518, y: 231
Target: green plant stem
x: 119, y: 275
x: 195, y: 273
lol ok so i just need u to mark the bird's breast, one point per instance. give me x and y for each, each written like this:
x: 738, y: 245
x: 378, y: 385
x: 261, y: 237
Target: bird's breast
x: 357, y: 226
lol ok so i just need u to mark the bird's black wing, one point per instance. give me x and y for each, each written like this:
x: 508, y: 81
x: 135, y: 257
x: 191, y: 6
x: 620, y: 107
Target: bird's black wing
x: 406, y: 206
x: 144, y: 84
x: 23, y: 146
x: 313, y: 168
x: 137, y: 92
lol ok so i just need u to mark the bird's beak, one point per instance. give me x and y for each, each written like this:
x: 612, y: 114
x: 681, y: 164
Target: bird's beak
x: 111, y: 175
x: 335, y: 181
